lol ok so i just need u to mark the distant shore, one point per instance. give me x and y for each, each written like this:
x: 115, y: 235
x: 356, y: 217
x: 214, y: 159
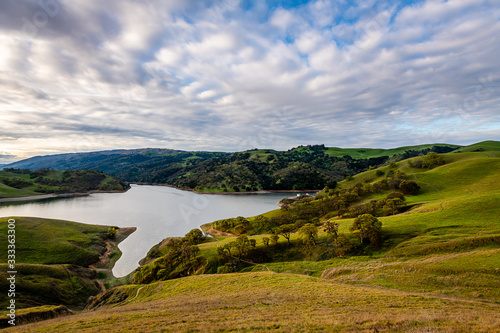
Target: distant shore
x: 75, y: 195
x: 224, y: 193
x: 53, y: 196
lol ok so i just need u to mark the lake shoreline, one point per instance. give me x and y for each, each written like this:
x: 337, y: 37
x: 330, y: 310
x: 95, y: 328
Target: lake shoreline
x: 54, y: 196
x: 222, y: 193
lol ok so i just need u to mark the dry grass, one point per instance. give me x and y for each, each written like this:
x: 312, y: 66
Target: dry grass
x: 271, y: 302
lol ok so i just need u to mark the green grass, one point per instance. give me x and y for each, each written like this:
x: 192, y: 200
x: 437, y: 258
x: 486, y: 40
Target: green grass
x: 374, y: 152
x: 485, y: 145
x: 438, y: 270
x: 51, y: 259
x: 76, y: 183
x: 48, y: 284
x: 45, y: 241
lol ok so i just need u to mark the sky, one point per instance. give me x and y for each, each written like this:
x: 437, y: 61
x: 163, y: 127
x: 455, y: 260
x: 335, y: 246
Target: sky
x: 230, y: 75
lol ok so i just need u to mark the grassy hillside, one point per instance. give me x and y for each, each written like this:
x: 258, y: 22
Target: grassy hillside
x: 371, y: 152
x: 23, y: 183
x: 452, y: 220
x: 255, y: 302
x: 301, y: 168
x: 481, y: 146
x: 52, y: 261
x: 43, y: 241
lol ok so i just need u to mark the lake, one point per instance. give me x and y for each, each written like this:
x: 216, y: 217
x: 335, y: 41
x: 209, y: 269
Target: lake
x: 157, y: 212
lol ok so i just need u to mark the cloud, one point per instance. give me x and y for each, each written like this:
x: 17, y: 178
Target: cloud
x: 227, y: 75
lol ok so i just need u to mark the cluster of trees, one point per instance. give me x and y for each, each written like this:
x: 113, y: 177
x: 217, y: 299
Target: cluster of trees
x: 17, y: 182
x: 429, y: 161
x: 50, y: 181
x: 366, y: 234
x: 434, y: 149
x: 178, y: 257
x: 236, y: 226
x: 345, y: 203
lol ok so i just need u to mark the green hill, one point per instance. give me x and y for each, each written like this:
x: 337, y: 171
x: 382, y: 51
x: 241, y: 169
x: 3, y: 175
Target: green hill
x: 302, y: 168
x: 53, y: 261
x: 16, y: 183
x: 371, y: 152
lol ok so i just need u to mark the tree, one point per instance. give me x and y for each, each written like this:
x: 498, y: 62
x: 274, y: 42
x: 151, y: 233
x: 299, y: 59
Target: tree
x: 396, y: 195
x: 432, y: 159
x: 332, y: 230
x: 242, y: 245
x: 241, y: 225
x: 309, y: 232
x: 392, y: 205
x: 274, y: 238
x: 331, y: 184
x: 286, y: 231
x: 409, y: 187
x: 194, y: 237
x: 265, y: 241
x: 368, y: 226
x: 342, y: 245
x: 111, y: 233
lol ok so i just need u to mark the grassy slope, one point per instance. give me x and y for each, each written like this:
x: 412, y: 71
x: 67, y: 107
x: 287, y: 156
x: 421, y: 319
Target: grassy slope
x: 51, y: 257
x: 448, y: 245
x: 43, y: 241
x: 273, y: 303
x: 456, y: 212
x: 10, y: 192
x: 374, y: 152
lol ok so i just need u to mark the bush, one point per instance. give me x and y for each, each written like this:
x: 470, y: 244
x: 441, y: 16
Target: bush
x: 394, y: 195
x: 17, y: 182
x: 111, y: 233
x: 409, y: 187
x: 224, y: 269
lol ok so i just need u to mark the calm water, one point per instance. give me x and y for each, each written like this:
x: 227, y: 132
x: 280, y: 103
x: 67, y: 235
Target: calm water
x: 157, y: 212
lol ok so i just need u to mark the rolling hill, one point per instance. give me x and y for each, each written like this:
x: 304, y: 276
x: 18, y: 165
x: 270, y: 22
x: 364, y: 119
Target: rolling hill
x: 301, y: 168
x: 53, y: 261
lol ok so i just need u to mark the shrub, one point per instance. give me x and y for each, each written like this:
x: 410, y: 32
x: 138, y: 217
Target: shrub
x: 409, y: 187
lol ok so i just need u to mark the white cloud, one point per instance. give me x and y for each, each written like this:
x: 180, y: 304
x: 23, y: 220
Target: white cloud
x: 171, y: 74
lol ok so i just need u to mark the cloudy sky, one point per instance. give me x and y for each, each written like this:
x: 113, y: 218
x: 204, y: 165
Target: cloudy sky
x: 86, y: 75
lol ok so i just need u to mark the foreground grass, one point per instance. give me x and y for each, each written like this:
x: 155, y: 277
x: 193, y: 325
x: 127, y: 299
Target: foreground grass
x: 270, y: 302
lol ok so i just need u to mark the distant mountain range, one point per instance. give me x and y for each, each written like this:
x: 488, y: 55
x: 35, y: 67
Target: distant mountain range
x: 303, y: 167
